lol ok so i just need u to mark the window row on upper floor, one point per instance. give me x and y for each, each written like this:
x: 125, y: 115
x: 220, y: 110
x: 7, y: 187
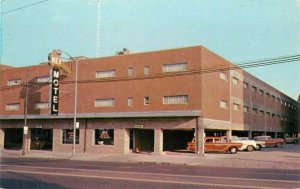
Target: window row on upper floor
x: 269, y: 96
x: 110, y: 102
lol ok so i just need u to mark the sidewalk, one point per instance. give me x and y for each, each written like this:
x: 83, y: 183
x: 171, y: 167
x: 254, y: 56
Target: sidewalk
x: 270, y: 158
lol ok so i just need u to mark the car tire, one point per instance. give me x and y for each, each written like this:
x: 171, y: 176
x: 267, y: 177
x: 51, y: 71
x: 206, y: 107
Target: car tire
x: 250, y: 148
x: 279, y: 145
x: 259, y: 147
x: 233, y: 150
x: 295, y: 142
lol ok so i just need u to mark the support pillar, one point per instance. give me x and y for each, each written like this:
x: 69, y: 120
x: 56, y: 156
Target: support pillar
x: 229, y: 134
x: 199, y: 137
x: 158, y: 141
x: 2, y: 135
x: 250, y: 135
x: 275, y: 135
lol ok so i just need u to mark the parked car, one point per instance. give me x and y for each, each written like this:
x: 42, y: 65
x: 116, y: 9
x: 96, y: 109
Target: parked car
x: 260, y: 144
x: 248, y: 145
x: 216, y: 144
x: 294, y: 140
x: 270, y: 142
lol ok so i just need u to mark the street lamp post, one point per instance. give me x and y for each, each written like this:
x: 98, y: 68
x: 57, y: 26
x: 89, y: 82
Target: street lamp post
x: 25, y: 128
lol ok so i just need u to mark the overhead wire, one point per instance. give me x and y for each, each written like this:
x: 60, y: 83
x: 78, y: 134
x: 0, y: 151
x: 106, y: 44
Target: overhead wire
x: 26, y: 6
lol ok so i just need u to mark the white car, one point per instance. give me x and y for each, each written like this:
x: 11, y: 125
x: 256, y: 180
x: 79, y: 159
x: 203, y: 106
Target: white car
x: 249, y: 145
x: 260, y: 144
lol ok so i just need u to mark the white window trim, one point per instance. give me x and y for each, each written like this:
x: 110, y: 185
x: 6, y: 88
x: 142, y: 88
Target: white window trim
x: 105, y: 74
x: 107, y: 102
x: 178, y: 99
x: 12, y: 107
x: 177, y: 67
x: 14, y: 82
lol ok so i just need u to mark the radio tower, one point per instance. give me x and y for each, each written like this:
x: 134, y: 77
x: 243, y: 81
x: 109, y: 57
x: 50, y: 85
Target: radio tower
x: 98, y: 29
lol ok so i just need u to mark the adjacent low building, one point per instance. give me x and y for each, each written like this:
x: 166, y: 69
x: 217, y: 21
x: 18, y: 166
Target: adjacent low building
x: 152, y: 101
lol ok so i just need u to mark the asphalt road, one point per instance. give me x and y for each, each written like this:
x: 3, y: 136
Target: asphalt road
x: 66, y: 174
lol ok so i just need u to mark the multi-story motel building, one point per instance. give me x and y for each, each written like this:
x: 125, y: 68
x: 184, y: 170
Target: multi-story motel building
x: 152, y: 101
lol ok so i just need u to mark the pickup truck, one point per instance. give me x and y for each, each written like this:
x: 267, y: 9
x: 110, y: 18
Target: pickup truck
x: 270, y: 142
x: 216, y: 144
x: 249, y: 145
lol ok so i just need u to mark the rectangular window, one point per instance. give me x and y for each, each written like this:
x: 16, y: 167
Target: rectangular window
x: 223, y: 75
x: 254, y: 110
x: 110, y: 102
x: 235, y: 80
x: 180, y: 99
x: 68, y: 136
x: 45, y: 79
x: 261, y: 112
x: 245, y: 85
x: 41, y: 105
x: 254, y: 89
x: 130, y: 101
x: 179, y: 67
x: 268, y: 114
x: 105, y: 74
x: 104, y: 137
x: 273, y: 98
x: 12, y: 106
x: 147, y: 70
x: 246, y: 109
x: 130, y: 71
x: 14, y: 82
x: 223, y: 104
x: 268, y: 95
x: 236, y: 107
x: 146, y: 100
x: 261, y: 92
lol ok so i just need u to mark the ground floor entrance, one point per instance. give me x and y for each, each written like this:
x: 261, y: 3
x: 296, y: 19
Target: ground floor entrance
x: 13, y: 138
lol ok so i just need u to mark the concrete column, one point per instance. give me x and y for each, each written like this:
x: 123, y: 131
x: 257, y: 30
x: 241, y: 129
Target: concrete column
x: 199, y: 137
x: 229, y: 134
x: 28, y: 140
x: 158, y: 141
x: 275, y: 135
x: 2, y: 135
x: 250, y: 134
x: 122, y: 140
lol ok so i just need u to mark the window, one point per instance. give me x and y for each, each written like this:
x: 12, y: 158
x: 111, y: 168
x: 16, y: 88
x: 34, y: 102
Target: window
x: 41, y: 105
x: 254, y: 89
x: 268, y: 95
x: 105, y: 74
x: 273, y: 115
x: 223, y: 104
x: 236, y: 107
x: 146, y: 100
x: 45, y: 79
x: 246, y: 109
x: 254, y: 110
x: 180, y: 99
x: 261, y: 92
x: 268, y: 114
x: 12, y: 106
x: 130, y: 101
x: 273, y: 98
x: 68, y: 135
x: 14, y: 82
x: 235, y: 80
x: 147, y: 70
x: 104, y: 136
x: 261, y: 112
x: 110, y: 102
x: 223, y: 75
x: 130, y: 71
x: 245, y: 85
x: 179, y: 67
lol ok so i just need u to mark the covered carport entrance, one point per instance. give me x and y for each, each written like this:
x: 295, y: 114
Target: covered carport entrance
x: 176, y: 139
x: 13, y: 138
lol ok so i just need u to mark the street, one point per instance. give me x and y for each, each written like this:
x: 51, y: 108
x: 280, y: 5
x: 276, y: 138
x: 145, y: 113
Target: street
x: 47, y: 173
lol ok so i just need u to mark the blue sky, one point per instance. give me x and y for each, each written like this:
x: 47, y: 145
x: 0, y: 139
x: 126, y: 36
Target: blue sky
x: 238, y: 30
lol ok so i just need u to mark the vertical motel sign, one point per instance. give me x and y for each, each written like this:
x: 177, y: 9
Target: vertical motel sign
x: 55, y: 61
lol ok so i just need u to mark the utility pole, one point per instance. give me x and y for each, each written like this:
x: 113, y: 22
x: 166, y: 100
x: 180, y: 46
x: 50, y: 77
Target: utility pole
x: 25, y: 129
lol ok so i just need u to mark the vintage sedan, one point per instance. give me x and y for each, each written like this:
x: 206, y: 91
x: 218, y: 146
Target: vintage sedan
x: 216, y: 144
x: 270, y: 142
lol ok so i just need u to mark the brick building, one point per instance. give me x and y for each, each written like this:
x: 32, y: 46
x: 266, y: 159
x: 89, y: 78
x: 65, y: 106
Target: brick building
x: 153, y: 101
